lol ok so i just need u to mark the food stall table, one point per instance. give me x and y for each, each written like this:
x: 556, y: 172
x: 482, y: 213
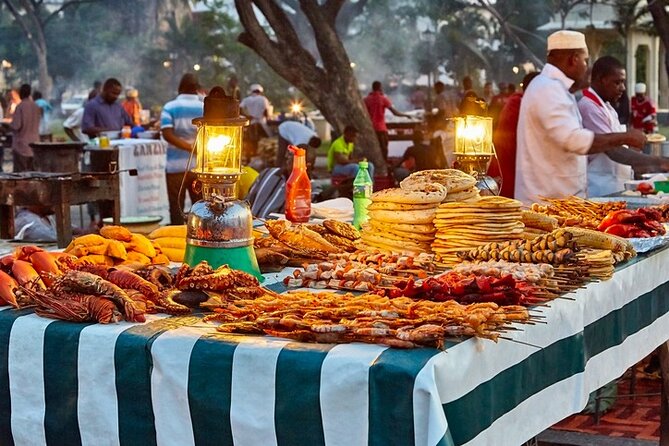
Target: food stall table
x: 146, y: 193
x: 58, y: 191
x: 176, y: 381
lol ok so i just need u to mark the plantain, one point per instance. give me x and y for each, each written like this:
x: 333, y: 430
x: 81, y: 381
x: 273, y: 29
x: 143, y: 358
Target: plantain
x: 115, y: 232
x: 169, y: 231
x: 175, y: 255
x: 117, y: 250
x: 86, y: 240
x: 100, y: 248
x: 160, y: 259
x: 141, y: 244
x: 135, y: 256
x: 171, y: 242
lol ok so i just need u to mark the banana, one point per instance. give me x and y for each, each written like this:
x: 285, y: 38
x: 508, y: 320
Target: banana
x: 169, y: 231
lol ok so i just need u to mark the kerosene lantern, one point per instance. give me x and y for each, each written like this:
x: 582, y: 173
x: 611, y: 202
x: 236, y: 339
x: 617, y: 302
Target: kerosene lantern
x: 474, y: 149
x: 220, y: 227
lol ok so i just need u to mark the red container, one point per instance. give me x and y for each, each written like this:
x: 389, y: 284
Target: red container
x: 298, y: 189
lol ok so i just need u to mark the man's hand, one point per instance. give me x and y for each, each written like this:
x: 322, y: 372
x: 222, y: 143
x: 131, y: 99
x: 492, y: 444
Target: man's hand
x: 635, y: 138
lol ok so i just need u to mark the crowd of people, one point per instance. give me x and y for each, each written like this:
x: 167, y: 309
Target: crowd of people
x: 547, y: 143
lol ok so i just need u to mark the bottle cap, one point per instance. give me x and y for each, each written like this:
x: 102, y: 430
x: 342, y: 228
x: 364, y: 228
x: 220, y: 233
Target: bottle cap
x: 363, y: 164
x: 296, y: 150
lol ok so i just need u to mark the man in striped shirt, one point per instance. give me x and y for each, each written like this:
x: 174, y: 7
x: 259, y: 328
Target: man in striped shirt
x: 179, y: 132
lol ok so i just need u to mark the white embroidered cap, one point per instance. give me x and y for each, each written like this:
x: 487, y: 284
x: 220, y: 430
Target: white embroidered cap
x: 640, y: 88
x: 566, y: 40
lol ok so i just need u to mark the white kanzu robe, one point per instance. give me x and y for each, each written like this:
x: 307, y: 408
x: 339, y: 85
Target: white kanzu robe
x: 552, y: 142
x: 605, y: 176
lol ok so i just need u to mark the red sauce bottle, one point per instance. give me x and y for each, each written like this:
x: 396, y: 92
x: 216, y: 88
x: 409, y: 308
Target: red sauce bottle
x: 298, y: 188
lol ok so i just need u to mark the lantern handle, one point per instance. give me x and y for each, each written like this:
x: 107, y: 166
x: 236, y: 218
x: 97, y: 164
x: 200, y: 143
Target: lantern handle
x: 184, y: 215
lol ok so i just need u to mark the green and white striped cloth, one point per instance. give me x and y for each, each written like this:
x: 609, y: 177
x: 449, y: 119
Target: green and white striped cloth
x: 176, y: 381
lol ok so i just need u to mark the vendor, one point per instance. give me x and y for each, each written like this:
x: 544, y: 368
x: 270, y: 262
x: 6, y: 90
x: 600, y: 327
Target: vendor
x: 552, y: 142
x: 297, y: 134
x: 608, y: 172
x: 103, y: 113
x: 342, y: 157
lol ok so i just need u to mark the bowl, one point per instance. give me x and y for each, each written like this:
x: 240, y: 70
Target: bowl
x: 111, y: 134
x: 634, y: 184
x: 149, y: 134
x: 141, y: 224
x: 662, y: 186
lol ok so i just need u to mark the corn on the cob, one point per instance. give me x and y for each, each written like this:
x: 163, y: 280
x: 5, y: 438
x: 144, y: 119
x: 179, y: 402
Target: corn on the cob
x: 597, y: 239
x: 169, y: 231
x: 537, y: 220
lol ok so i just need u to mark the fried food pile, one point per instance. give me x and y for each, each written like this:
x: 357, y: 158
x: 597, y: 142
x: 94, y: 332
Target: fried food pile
x: 334, y: 318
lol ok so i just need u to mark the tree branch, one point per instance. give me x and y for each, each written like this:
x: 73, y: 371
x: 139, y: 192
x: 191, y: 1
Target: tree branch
x: 19, y: 19
x: 65, y: 6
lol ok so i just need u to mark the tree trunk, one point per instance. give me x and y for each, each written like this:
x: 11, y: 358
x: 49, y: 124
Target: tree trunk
x: 330, y: 85
x: 45, y: 80
x: 658, y: 9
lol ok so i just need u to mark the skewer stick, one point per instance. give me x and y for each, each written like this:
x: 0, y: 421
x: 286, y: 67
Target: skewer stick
x: 521, y: 342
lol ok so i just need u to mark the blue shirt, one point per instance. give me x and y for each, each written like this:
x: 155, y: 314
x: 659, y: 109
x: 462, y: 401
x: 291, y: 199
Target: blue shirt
x: 178, y: 114
x: 99, y: 113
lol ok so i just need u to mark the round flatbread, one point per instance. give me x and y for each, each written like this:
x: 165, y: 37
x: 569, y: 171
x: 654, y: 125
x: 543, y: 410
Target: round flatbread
x: 454, y: 180
x: 429, y: 193
x: 423, y: 216
x: 389, y: 206
x: 390, y: 232
x: 487, y: 202
x: 425, y: 229
x: 368, y: 237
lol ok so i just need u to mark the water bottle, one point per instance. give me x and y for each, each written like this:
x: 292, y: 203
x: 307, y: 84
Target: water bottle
x: 362, y: 194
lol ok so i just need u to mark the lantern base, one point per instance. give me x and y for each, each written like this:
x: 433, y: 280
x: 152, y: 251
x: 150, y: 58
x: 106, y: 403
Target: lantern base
x: 474, y: 165
x: 242, y: 258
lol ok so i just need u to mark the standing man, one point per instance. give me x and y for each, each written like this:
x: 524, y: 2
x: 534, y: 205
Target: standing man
x: 176, y: 124
x: 257, y: 108
x: 643, y: 110
x: 607, y: 172
x: 25, y: 126
x: 377, y: 103
x: 103, y: 113
x: 444, y: 101
x: 552, y: 142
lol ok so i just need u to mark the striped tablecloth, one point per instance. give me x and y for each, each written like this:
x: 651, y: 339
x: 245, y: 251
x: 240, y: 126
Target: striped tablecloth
x: 176, y: 381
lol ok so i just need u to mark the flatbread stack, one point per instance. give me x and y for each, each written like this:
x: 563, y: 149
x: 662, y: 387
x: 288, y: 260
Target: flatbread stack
x: 463, y: 226
x: 459, y: 185
x: 400, y: 220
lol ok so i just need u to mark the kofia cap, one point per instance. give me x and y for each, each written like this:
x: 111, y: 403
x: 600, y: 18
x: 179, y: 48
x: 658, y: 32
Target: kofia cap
x: 566, y: 40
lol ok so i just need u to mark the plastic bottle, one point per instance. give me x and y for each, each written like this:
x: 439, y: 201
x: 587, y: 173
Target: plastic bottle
x: 362, y: 194
x: 298, y: 188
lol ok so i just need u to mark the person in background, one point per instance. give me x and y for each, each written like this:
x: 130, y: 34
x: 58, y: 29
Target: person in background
x: 497, y: 102
x: 467, y: 86
x: 25, y: 126
x: 342, y: 157
x: 37, y: 224
x: 103, y: 113
x: 96, y: 90
x: 552, y: 142
x: 504, y: 138
x: 13, y: 99
x: 377, y: 103
x: 232, y: 89
x: 487, y: 92
x: 45, y: 120
x: 178, y: 130
x: 444, y: 101
x: 418, y: 98
x: 644, y: 113
x: 297, y: 134
x: 132, y: 106
x: 257, y: 108
x: 416, y: 157
x: 72, y: 125
x: 608, y: 172
x: 622, y: 107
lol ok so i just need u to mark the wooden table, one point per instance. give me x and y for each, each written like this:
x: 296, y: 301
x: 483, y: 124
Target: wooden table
x: 59, y: 192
